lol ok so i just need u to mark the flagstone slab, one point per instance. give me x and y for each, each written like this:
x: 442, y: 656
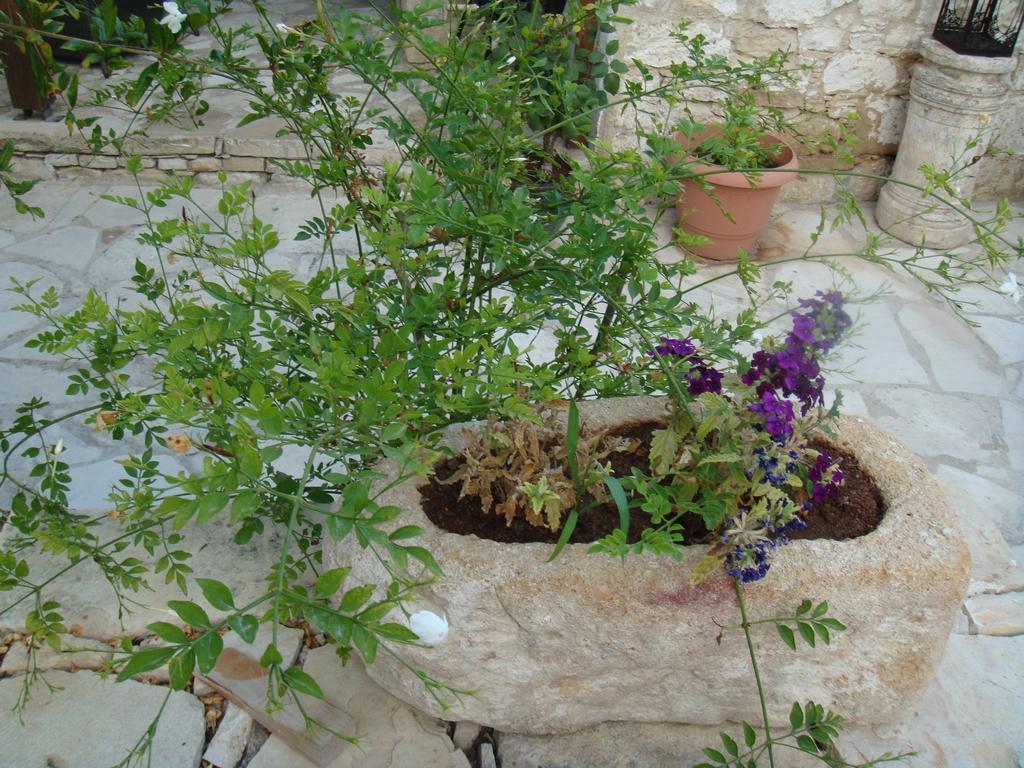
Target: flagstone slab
x: 1004, y: 337
x: 1013, y: 430
x: 92, y: 722
x: 969, y: 717
x: 1001, y: 504
x: 934, y: 425
x: 75, y: 654
x: 956, y: 359
x: 879, y: 339
x: 391, y: 733
x: 996, y: 615
x: 68, y: 247
x: 228, y: 744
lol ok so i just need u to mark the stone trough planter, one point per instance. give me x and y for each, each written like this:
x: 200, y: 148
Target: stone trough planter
x: 555, y: 647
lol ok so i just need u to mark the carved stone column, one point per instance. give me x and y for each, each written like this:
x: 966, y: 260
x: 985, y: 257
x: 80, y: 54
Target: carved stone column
x: 952, y: 100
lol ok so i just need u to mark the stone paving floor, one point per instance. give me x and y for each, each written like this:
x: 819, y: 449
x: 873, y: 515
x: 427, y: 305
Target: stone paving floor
x: 952, y: 393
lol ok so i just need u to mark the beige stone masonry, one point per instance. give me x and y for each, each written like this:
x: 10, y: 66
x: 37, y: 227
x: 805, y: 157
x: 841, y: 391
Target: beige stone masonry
x: 559, y: 646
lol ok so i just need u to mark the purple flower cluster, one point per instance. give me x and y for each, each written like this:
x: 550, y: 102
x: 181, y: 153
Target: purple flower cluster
x: 793, y: 370
x: 751, y: 556
x: 826, y: 478
x: 770, y: 466
x: 778, y: 415
x: 750, y: 560
x: 701, y: 377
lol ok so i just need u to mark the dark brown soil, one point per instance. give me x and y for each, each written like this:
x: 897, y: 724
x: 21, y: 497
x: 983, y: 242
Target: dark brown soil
x: 857, y: 512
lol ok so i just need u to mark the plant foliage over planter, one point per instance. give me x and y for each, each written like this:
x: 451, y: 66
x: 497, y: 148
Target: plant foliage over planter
x: 432, y: 268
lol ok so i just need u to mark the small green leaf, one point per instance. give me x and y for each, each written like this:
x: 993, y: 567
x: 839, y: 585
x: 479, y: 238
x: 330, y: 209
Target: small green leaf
x: 398, y: 632
x: 271, y: 656
x: 619, y: 497
x: 208, y: 647
x: 355, y: 598
x: 806, y: 743
x: 210, y: 505
x: 729, y: 744
x: 563, y: 537
x: 330, y: 582
x: 803, y: 608
x: 806, y: 632
x: 796, y: 716
x: 427, y: 559
x: 822, y: 631
x: 190, y: 613
x: 302, y: 682
x: 365, y: 642
x: 217, y: 594
x: 179, y: 670
x: 405, y: 532
x: 787, y: 635
x: 167, y: 632
x: 245, y: 626
x: 572, y: 439
x: 715, y: 755
x: 144, y: 661
x: 749, y: 734
x: 821, y: 610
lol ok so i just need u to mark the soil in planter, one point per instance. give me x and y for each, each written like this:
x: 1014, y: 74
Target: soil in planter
x: 857, y: 512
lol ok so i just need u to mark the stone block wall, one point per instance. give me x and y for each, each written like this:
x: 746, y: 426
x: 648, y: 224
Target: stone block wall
x: 850, y: 55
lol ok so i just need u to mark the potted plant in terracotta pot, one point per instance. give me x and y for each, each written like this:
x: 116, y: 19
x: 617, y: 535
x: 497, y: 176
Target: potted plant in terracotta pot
x: 739, y: 165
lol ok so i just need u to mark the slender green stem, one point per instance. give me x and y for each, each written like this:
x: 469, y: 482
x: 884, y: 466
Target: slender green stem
x: 757, y: 673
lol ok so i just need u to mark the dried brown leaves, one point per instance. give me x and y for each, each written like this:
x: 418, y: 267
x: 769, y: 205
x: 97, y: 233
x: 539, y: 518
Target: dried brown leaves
x: 521, y: 469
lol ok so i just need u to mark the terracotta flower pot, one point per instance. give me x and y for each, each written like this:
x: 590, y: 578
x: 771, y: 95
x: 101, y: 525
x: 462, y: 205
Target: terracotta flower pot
x: 555, y: 647
x: 747, y: 200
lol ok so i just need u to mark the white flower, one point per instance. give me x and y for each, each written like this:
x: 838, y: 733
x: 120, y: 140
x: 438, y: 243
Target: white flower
x: 173, y: 18
x: 283, y: 28
x: 758, y: 336
x: 1010, y: 287
x: 430, y: 627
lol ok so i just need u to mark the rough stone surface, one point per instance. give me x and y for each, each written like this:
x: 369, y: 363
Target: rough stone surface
x: 391, y: 734
x: 624, y: 745
x: 554, y: 647
x: 94, y: 722
x: 228, y: 744
x: 852, y: 70
x: 465, y: 734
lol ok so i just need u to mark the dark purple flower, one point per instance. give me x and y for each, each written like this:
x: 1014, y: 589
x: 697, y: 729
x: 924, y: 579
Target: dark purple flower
x: 749, y: 562
x: 678, y: 347
x: 778, y: 416
x: 703, y: 378
x: 824, y: 489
